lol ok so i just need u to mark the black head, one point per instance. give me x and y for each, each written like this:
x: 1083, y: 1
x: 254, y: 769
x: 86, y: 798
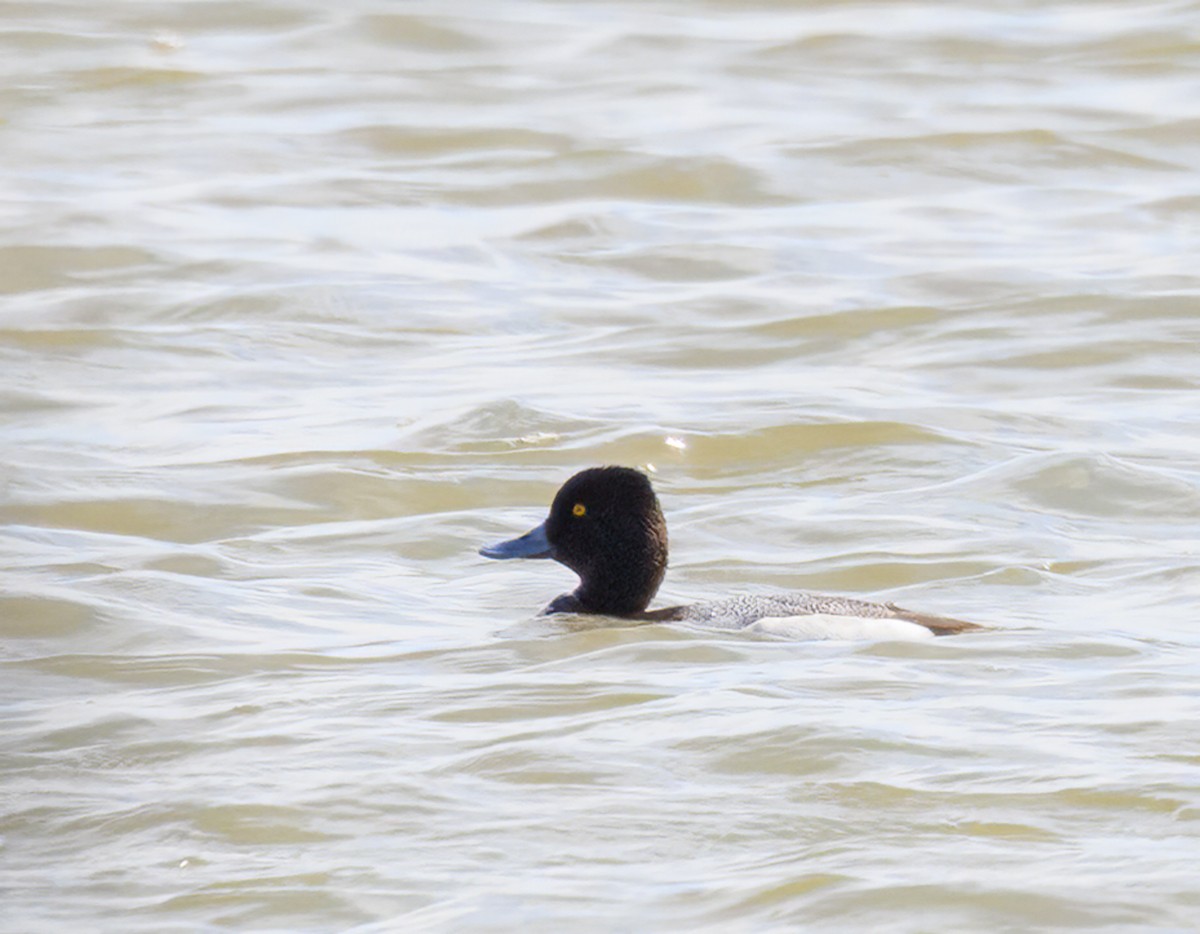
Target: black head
x: 605, y: 525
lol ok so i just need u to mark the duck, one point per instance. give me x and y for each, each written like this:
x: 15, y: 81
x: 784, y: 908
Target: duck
x: 606, y: 525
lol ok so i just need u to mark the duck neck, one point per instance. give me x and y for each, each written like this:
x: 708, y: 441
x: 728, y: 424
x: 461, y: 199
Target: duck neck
x: 619, y: 591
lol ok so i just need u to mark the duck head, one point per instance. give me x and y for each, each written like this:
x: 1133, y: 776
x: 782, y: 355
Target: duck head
x: 605, y: 524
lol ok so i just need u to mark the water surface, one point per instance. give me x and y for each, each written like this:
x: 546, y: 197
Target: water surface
x: 301, y: 304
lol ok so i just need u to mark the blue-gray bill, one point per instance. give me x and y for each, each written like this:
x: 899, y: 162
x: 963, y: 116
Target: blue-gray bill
x: 533, y: 544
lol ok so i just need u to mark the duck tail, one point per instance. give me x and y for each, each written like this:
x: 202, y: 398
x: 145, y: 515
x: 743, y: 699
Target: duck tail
x: 938, y: 625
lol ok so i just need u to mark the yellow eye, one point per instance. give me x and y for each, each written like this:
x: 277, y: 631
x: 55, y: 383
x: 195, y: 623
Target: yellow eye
x: 579, y: 509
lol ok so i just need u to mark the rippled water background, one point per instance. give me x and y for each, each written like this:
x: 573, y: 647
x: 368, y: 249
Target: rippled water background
x: 303, y: 301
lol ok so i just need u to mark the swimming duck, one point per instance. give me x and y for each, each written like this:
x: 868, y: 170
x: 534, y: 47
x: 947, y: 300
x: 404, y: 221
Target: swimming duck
x: 605, y: 524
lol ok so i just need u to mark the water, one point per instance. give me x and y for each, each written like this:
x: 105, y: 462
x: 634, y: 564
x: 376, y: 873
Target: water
x: 302, y: 304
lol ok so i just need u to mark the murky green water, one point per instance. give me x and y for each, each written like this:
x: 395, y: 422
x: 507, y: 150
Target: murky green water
x: 302, y: 302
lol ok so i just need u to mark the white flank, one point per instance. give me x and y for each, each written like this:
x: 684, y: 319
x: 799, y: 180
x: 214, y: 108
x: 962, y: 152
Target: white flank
x: 828, y: 626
